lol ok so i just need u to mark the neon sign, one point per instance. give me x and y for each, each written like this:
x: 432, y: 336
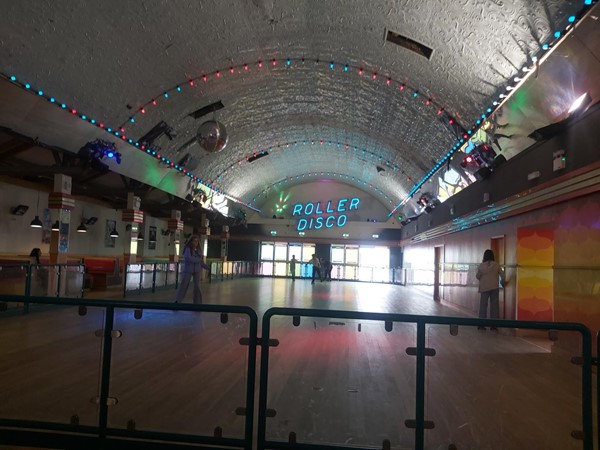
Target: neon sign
x: 324, y: 214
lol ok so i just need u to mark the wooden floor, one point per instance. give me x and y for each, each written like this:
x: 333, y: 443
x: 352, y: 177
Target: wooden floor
x: 331, y: 380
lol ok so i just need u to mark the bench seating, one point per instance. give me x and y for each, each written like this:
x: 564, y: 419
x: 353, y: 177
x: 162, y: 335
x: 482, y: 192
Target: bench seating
x: 98, y: 270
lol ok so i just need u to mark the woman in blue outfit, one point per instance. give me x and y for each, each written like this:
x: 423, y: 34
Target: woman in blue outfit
x: 192, y: 268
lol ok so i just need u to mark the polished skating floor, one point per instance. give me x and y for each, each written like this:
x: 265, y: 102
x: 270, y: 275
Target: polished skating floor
x: 331, y: 380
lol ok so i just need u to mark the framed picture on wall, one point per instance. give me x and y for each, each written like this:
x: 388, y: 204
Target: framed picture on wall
x: 110, y: 225
x: 151, y: 238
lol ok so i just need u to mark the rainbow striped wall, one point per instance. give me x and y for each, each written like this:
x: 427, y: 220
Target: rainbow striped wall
x: 535, y: 274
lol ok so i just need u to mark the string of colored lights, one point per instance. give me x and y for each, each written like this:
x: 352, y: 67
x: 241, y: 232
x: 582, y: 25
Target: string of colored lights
x: 402, y: 86
x: 543, y: 53
x: 118, y: 132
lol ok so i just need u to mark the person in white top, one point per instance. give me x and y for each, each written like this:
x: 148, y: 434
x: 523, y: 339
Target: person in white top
x: 316, y: 262
x: 490, y: 276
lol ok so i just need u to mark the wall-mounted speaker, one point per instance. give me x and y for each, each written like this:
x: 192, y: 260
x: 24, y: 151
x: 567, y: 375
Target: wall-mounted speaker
x: 19, y: 210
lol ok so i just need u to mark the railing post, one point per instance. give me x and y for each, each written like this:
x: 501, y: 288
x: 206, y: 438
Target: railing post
x: 141, y: 277
x: 105, y: 371
x: 125, y: 273
x: 420, y: 388
x: 153, y: 277
x: 58, y: 268
x: 27, y: 289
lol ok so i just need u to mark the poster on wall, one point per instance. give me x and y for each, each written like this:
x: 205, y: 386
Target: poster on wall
x: 110, y: 225
x: 47, y: 226
x: 151, y: 238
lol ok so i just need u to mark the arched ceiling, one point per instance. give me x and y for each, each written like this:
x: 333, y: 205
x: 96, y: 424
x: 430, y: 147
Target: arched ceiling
x: 314, y: 85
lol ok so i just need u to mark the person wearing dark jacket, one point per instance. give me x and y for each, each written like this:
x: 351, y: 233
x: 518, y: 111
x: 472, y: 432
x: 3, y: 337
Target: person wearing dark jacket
x: 192, y: 268
x: 490, y: 275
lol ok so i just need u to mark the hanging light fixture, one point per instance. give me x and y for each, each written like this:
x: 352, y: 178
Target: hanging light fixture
x: 56, y: 226
x: 82, y: 228
x: 114, y: 233
x: 37, y: 223
x: 140, y: 236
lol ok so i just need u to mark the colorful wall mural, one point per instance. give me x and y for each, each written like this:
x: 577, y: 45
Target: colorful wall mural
x: 535, y: 274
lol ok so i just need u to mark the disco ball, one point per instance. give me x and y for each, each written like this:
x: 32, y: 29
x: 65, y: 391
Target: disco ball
x: 212, y: 136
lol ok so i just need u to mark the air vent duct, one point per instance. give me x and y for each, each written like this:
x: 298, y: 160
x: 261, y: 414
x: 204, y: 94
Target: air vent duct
x: 408, y: 44
x: 207, y: 110
x: 258, y: 156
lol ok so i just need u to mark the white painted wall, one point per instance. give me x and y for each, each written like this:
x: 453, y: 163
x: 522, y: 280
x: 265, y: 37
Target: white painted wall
x: 18, y: 238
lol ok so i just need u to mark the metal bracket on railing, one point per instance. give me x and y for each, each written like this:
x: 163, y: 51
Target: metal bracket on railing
x: 386, y: 444
x: 454, y: 330
x: 74, y: 419
x: 224, y: 318
x: 115, y: 334
x: 137, y: 314
x: 259, y: 342
x: 218, y: 432
x: 82, y: 310
x: 131, y: 424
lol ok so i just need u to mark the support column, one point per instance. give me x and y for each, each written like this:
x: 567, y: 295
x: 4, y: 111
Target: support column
x: 60, y: 203
x: 133, y: 217
x: 175, y: 226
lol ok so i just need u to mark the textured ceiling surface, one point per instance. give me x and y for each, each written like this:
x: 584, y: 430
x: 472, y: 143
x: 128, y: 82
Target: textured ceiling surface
x: 312, y: 84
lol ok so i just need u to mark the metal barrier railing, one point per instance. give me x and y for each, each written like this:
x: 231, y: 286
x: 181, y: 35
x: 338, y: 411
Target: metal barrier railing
x: 47, y: 280
x: 150, y: 277
x: 304, y: 398
x: 154, y: 276
x: 123, y: 334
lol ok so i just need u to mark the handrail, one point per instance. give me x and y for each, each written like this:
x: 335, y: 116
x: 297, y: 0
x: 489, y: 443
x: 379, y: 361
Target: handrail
x: 30, y: 432
x: 420, y: 321
x: 73, y: 435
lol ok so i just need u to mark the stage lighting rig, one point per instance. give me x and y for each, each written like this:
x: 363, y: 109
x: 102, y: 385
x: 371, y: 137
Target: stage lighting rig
x: 100, y: 149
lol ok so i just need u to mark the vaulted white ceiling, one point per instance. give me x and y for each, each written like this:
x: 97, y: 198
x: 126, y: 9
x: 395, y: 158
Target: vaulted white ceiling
x: 315, y: 86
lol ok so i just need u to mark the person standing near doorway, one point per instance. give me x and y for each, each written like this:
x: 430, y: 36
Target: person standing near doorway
x: 316, y: 263
x: 293, y: 262
x: 490, y: 276
x: 192, y: 268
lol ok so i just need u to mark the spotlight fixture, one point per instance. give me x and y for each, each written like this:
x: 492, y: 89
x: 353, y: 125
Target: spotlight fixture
x: 99, y: 149
x: 81, y: 228
x: 19, y: 210
x: 577, y: 108
x: 56, y: 226
x: 581, y: 104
